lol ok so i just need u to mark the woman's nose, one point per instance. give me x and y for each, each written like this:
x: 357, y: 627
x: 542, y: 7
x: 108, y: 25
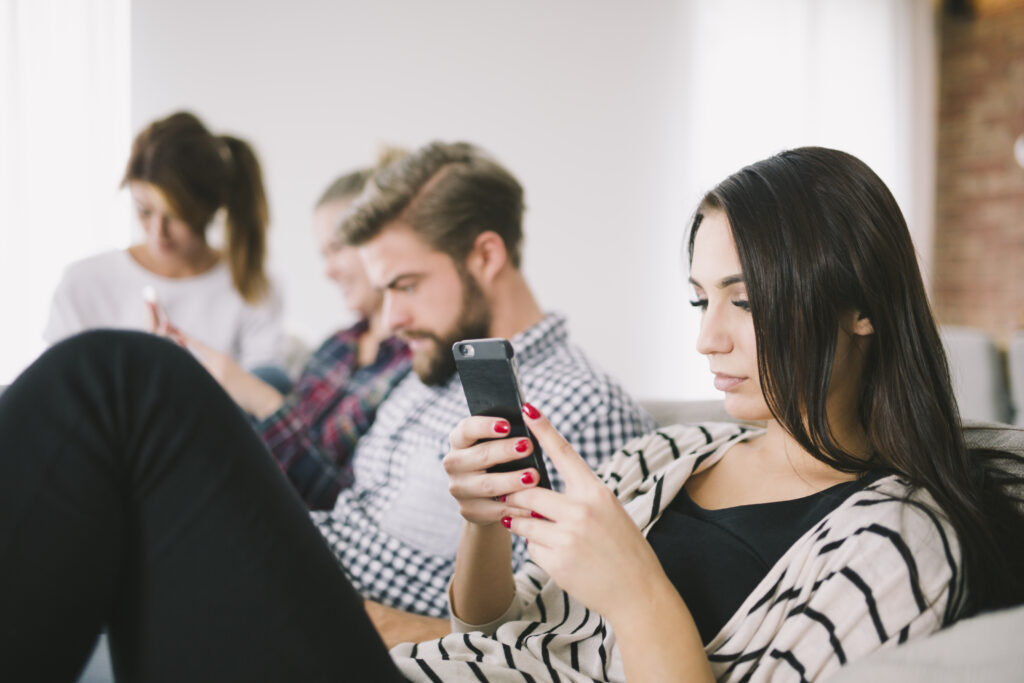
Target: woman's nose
x: 713, y: 336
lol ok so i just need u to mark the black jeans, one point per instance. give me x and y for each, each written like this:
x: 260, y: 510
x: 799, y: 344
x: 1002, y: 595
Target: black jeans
x: 134, y: 495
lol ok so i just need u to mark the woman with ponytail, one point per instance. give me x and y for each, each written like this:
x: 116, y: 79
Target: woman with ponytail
x: 180, y: 176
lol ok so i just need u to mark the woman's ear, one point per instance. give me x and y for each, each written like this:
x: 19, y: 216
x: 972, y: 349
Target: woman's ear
x: 488, y: 257
x: 861, y: 325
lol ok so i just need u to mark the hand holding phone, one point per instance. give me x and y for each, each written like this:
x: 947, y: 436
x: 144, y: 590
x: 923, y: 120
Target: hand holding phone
x: 159, y: 322
x: 490, y: 380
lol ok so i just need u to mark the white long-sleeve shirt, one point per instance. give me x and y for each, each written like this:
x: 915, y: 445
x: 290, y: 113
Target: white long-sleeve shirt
x: 106, y: 291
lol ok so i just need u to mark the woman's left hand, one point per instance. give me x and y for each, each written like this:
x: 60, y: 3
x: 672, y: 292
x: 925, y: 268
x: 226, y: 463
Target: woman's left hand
x: 583, y: 538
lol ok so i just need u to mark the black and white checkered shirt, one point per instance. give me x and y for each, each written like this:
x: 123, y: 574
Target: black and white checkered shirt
x: 395, y: 531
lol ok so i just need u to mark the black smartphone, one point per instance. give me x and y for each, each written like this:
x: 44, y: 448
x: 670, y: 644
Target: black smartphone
x: 490, y: 380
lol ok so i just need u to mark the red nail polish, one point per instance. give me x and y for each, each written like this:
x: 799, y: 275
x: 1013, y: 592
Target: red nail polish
x: 535, y: 515
x: 530, y: 411
x: 506, y: 522
x: 501, y: 499
x: 522, y: 445
x: 527, y: 478
x: 501, y: 427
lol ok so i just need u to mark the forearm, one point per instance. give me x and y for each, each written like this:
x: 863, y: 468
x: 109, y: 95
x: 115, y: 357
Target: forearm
x: 483, y: 586
x: 396, y: 626
x: 658, y: 639
x: 256, y: 397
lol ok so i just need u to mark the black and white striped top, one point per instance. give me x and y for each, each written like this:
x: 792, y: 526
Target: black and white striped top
x: 879, y: 569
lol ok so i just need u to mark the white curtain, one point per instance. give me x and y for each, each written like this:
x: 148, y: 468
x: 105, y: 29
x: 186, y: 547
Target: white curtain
x: 757, y: 77
x: 64, y: 138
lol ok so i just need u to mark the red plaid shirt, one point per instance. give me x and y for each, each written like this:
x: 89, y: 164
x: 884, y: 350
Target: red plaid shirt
x: 312, y: 435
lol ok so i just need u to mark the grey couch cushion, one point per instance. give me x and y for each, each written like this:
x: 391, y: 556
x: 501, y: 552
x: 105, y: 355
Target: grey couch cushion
x: 976, y: 368
x: 1015, y: 360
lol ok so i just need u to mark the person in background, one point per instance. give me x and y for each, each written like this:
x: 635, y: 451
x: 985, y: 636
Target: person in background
x: 312, y: 429
x: 180, y: 176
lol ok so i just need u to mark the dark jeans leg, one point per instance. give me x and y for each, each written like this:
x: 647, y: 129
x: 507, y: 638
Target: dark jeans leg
x: 133, y: 494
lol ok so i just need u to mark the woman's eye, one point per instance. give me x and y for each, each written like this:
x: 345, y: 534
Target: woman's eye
x: 745, y: 305
x: 702, y: 304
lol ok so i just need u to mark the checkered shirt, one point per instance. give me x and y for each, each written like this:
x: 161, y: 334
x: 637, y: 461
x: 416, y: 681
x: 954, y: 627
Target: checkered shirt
x: 395, y: 531
x: 314, y: 432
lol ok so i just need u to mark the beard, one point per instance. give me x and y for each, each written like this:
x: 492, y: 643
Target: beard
x: 436, y: 366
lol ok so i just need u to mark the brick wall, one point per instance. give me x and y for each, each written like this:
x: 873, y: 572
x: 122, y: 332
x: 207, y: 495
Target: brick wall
x: 979, y: 240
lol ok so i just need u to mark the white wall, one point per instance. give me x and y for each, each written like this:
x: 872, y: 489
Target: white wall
x: 615, y: 117
x: 570, y: 95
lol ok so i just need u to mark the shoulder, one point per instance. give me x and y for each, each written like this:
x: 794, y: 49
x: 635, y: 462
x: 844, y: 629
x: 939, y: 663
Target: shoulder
x: 897, y: 541
x: 105, y: 275
x: 565, y: 383
x: 105, y: 264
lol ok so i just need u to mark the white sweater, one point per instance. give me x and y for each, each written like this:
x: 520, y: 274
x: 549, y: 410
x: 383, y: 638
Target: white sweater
x: 106, y: 291
x: 872, y: 573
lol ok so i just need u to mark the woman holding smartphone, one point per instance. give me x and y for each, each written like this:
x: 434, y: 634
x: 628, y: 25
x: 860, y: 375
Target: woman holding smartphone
x: 855, y: 519
x: 180, y: 176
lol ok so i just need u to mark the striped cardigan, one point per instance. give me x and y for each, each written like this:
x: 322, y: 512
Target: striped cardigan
x: 877, y: 570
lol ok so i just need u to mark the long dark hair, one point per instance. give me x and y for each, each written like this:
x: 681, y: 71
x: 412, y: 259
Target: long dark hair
x: 818, y: 236
x: 199, y: 173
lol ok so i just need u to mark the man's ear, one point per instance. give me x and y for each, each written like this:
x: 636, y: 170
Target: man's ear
x: 487, y: 258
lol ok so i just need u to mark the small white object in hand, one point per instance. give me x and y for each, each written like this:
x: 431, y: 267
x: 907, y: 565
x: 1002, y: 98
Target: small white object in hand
x: 149, y: 294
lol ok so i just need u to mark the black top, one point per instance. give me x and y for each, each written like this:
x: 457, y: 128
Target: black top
x: 716, y: 558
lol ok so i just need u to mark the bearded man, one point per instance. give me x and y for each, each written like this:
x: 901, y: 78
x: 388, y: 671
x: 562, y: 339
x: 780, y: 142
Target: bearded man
x: 440, y: 235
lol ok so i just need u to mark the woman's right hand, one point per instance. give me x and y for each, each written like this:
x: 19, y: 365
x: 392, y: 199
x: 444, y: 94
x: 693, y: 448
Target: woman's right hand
x: 481, y: 494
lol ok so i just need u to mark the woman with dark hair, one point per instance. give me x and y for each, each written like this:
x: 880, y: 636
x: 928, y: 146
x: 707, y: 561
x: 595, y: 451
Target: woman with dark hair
x: 853, y: 520
x: 179, y: 176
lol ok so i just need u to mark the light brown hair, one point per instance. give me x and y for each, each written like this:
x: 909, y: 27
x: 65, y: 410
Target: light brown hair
x: 448, y: 193
x: 199, y: 173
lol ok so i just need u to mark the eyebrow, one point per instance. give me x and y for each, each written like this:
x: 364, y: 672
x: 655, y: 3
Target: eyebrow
x: 724, y: 282
x: 393, y: 282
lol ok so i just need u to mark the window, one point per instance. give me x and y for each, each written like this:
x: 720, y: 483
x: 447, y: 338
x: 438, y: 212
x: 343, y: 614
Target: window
x: 65, y: 134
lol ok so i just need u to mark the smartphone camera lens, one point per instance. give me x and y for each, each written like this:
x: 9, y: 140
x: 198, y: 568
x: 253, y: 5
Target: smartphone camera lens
x: 466, y: 350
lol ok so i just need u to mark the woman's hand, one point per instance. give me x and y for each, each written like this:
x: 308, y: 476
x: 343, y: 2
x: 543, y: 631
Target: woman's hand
x: 160, y: 324
x: 583, y: 538
x: 252, y: 394
x: 482, y: 587
x: 481, y: 494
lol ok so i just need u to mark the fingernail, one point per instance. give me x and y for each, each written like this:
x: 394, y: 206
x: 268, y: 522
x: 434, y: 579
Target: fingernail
x: 506, y: 522
x: 522, y: 445
x: 501, y: 499
x: 535, y: 515
x: 527, y: 478
x: 501, y: 427
x: 530, y: 411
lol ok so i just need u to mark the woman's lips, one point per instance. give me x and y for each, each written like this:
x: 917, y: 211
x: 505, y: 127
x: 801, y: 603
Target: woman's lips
x: 727, y: 382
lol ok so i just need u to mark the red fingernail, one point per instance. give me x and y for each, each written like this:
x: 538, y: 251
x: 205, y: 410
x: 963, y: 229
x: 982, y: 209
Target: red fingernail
x: 530, y: 411
x: 527, y: 478
x: 506, y: 522
x: 501, y: 427
x: 522, y: 445
x: 535, y: 515
x: 501, y: 499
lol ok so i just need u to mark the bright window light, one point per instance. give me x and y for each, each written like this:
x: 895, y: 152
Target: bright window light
x: 64, y: 135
